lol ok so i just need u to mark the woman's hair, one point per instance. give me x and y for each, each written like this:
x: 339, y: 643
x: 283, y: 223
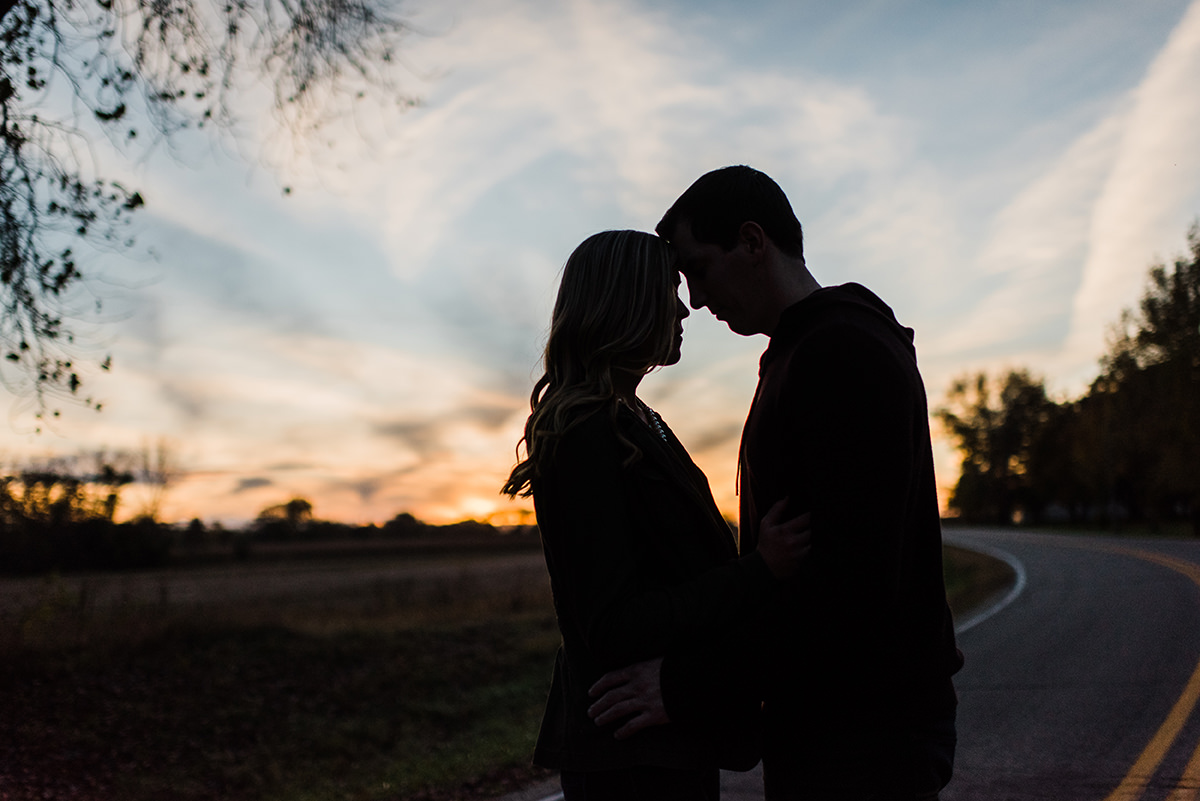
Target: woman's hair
x: 615, y: 312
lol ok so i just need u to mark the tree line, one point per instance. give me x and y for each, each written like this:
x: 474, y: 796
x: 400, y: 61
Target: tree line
x: 63, y: 515
x: 1126, y: 451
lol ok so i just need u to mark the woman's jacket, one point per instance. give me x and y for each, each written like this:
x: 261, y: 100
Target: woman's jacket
x: 641, y: 564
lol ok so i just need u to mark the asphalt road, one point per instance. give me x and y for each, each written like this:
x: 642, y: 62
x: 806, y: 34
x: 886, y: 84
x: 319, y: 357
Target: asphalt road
x: 1082, y: 684
x: 1085, y: 686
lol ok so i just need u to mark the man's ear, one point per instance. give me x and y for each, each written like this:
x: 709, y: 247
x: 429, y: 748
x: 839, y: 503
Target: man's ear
x: 753, y: 238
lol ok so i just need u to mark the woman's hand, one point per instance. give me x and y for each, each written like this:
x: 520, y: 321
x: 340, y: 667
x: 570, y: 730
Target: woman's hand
x: 784, y: 543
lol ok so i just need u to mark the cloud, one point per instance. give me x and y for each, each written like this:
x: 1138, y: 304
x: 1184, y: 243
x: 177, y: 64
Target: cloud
x: 366, y: 489
x: 1032, y: 259
x: 252, y: 483
x: 1150, y: 193
x: 582, y: 120
x: 436, y: 436
x: 626, y: 113
x: 1070, y: 248
x: 718, y: 437
x: 422, y: 437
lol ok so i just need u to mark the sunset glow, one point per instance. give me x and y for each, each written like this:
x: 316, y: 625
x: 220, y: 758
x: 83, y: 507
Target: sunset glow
x: 1002, y: 175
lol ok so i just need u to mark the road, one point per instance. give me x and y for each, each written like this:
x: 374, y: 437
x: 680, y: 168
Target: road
x: 1083, y: 685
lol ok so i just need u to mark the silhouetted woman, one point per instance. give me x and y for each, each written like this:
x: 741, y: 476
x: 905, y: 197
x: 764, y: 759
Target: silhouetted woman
x: 641, y: 562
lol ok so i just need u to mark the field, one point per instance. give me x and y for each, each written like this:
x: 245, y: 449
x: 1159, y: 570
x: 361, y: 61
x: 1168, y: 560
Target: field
x: 401, y: 676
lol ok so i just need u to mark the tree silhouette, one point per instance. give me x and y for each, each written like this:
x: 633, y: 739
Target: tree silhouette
x: 1165, y: 328
x: 1129, y: 448
x: 128, y: 67
x: 1148, y: 393
x: 285, y: 520
x: 59, y: 514
x: 998, y: 431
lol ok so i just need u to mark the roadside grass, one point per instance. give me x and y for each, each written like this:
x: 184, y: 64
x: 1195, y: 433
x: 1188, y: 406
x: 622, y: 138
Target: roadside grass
x: 295, y: 702
x: 972, y: 578
x: 288, y: 702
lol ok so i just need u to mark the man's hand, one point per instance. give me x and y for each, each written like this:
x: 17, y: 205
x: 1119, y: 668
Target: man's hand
x: 784, y: 543
x: 634, y: 691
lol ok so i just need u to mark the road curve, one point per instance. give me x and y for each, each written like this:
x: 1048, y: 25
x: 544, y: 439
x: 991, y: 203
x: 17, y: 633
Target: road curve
x: 1080, y: 685
x: 1085, y: 686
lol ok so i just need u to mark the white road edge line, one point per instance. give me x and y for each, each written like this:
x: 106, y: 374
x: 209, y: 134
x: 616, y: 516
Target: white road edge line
x: 971, y: 621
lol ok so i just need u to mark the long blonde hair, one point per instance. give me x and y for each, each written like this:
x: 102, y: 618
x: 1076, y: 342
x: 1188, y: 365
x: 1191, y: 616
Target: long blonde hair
x: 615, y: 311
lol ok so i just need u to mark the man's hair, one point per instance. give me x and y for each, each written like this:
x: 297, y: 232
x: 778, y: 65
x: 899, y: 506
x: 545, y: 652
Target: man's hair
x: 717, y: 204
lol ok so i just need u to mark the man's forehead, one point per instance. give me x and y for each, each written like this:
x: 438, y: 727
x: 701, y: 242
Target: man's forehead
x: 682, y: 231
x: 685, y: 262
x: 682, y: 241
x: 690, y: 253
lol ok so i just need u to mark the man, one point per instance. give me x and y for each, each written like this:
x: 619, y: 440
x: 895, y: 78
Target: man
x: 859, y: 651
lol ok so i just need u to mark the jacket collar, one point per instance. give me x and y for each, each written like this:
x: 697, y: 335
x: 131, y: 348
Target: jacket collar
x: 672, y: 458
x: 795, y: 319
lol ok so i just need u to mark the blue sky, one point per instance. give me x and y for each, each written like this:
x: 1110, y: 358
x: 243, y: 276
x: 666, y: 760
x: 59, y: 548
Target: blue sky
x: 1002, y: 174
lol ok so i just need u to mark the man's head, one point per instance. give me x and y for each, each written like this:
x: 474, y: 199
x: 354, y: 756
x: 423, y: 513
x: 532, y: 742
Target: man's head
x: 740, y: 248
x: 717, y: 204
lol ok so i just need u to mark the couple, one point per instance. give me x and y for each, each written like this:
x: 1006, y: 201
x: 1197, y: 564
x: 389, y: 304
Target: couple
x: 821, y: 642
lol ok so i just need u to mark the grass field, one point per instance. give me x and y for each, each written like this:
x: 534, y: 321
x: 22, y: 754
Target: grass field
x: 972, y: 578
x: 396, y: 692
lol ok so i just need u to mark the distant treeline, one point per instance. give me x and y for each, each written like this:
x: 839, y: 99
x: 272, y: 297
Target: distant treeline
x: 1127, y: 451
x: 62, y: 519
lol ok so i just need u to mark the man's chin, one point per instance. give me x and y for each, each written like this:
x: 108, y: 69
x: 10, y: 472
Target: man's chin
x: 738, y: 329
x: 733, y: 326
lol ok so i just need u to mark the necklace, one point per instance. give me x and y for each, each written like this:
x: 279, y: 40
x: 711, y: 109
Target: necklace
x: 650, y: 417
x: 655, y: 421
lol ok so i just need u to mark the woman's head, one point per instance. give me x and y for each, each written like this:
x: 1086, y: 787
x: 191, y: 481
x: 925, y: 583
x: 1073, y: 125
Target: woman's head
x: 617, y: 309
x: 618, y: 312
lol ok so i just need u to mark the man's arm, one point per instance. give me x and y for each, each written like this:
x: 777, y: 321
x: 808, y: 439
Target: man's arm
x: 635, y: 691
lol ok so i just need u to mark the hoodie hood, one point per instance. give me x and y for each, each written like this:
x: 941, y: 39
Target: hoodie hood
x: 846, y: 298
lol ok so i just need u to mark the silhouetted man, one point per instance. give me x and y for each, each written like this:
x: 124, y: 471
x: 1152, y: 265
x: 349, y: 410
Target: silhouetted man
x: 858, y: 701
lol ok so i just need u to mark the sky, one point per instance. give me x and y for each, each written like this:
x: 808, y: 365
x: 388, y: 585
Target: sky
x: 1002, y: 174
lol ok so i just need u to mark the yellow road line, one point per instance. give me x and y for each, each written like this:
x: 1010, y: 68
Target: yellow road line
x: 1134, y: 783
x: 1189, y: 788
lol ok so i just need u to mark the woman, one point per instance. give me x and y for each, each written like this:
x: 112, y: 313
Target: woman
x: 641, y: 562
